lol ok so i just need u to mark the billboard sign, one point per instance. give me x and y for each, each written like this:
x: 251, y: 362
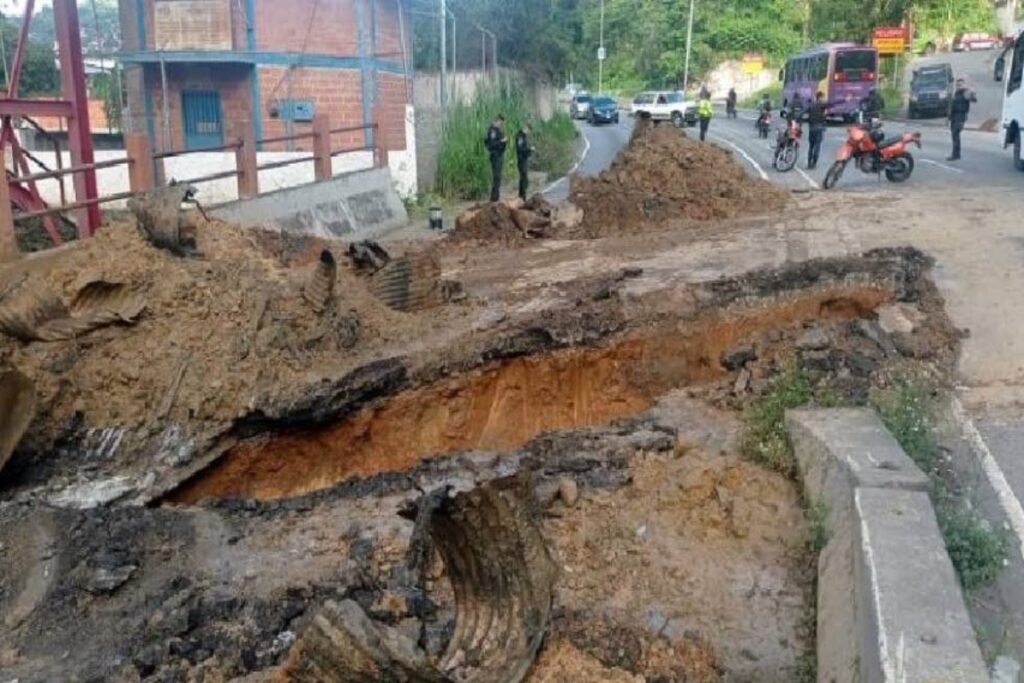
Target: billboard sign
x: 891, y: 40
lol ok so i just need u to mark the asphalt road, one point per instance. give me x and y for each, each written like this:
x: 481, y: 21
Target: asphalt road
x: 601, y: 144
x: 976, y: 68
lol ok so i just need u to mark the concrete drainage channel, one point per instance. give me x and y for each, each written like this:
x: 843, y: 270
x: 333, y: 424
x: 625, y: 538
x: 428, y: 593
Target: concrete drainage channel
x: 569, y: 502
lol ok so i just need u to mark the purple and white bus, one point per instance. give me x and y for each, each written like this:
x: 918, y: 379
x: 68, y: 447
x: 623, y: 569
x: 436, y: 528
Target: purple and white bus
x: 845, y: 72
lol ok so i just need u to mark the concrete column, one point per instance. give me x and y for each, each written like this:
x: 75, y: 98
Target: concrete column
x: 322, y: 147
x: 8, y: 242
x: 245, y: 162
x: 380, y: 150
x: 140, y: 167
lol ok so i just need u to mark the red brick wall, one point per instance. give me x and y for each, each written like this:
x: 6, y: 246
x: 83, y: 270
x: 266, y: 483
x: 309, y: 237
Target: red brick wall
x: 389, y: 34
x: 336, y: 92
x: 235, y: 98
x: 391, y: 97
x: 286, y: 26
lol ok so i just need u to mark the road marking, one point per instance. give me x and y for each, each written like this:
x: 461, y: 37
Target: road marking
x: 945, y: 166
x: 586, y: 150
x: 1008, y: 501
x: 746, y: 156
x: 811, y: 181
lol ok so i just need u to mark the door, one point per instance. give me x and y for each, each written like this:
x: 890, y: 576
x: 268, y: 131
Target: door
x: 202, y: 120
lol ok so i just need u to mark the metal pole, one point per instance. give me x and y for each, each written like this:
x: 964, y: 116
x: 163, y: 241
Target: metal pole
x: 483, y: 52
x: 494, y: 55
x: 689, y: 43
x: 164, y: 107
x: 455, y: 64
x: 600, y: 61
x: 444, y: 51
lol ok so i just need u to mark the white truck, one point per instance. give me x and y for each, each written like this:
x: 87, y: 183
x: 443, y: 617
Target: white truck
x: 665, y: 105
x: 1010, y: 67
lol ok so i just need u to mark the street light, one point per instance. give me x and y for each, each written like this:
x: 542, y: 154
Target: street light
x: 601, y: 55
x: 689, y: 43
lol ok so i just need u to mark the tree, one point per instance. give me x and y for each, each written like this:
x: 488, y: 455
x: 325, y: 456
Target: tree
x: 39, y: 70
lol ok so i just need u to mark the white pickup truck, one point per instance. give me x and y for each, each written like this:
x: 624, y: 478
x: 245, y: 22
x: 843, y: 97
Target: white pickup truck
x: 666, y: 105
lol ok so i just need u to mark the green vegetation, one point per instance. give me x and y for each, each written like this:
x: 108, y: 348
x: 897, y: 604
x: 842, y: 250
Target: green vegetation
x: 774, y: 91
x: 646, y: 39
x: 463, y: 167
x: 977, y: 551
x: 765, y: 440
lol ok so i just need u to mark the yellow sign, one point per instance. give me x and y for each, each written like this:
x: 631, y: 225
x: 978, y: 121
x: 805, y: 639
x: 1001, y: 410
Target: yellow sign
x: 890, y: 40
x: 752, y: 64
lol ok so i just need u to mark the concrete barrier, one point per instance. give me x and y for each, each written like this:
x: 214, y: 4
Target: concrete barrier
x: 890, y: 607
x: 355, y: 205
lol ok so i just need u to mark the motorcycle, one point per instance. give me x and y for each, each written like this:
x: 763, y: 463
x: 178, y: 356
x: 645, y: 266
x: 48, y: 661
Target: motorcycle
x: 871, y: 152
x: 763, y: 124
x: 787, y: 147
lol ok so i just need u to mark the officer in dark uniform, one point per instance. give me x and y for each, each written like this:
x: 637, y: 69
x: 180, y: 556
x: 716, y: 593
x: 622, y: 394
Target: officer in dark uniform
x: 496, y: 143
x: 959, y: 108
x: 523, y: 151
x: 817, y: 117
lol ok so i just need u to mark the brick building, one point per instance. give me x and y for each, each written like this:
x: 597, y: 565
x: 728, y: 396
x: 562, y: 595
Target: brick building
x: 201, y: 72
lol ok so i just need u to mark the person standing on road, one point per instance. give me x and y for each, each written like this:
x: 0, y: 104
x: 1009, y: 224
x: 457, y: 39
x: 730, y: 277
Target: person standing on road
x: 523, y: 152
x: 959, y: 108
x: 730, y: 103
x: 872, y: 106
x: 704, y: 112
x: 817, y: 118
x: 496, y: 143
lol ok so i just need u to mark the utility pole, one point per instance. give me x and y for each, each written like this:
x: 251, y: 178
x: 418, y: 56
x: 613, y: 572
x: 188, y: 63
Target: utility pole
x: 600, y: 55
x: 444, y: 52
x: 689, y: 43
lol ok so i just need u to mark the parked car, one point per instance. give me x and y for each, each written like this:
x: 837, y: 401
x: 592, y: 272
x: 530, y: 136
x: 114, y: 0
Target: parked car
x: 603, y: 110
x: 965, y: 42
x: 931, y: 90
x: 579, y: 108
x: 666, y: 105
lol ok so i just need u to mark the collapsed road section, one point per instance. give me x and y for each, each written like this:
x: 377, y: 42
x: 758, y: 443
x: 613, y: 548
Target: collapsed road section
x: 278, y: 459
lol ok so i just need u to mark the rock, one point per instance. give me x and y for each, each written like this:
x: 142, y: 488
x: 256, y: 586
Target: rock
x: 742, y: 382
x: 860, y: 364
x: 899, y: 317
x: 93, y: 494
x: 105, y: 581
x: 1005, y: 670
x: 814, y: 339
x: 736, y: 358
x: 568, y: 491
x: 912, y: 345
x: 817, y: 361
x: 871, y: 330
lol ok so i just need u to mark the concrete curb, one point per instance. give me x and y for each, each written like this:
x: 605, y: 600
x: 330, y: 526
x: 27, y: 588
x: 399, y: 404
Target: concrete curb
x: 889, y: 602
x: 357, y: 205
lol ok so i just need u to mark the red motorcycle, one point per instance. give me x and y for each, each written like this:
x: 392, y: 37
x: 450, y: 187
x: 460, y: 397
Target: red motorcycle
x: 867, y: 146
x: 787, y: 147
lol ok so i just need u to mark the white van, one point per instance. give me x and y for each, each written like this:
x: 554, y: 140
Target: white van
x: 1013, y: 98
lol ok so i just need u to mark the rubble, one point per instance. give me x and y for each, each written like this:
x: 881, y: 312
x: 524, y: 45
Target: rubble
x: 509, y: 222
x: 663, y: 175
x: 17, y: 409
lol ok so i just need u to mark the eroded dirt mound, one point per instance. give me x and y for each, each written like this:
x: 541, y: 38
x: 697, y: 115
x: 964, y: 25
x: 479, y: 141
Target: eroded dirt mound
x: 217, y: 331
x: 662, y: 175
x: 509, y: 222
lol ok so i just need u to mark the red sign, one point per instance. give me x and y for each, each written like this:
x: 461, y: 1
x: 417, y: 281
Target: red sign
x: 891, y: 40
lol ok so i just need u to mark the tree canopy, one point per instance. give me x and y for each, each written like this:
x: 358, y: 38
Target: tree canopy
x: 646, y: 39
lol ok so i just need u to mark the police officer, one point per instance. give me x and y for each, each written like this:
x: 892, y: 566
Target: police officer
x: 523, y: 152
x: 496, y: 143
x: 704, y: 113
x: 730, y: 103
x: 817, y: 118
x: 959, y: 108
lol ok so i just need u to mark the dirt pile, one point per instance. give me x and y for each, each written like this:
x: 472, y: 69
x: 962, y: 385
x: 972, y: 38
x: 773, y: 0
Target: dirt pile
x: 510, y: 222
x: 217, y: 332
x: 663, y: 175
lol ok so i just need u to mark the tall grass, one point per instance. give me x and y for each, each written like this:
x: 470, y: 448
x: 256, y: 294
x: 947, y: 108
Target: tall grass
x: 464, y: 170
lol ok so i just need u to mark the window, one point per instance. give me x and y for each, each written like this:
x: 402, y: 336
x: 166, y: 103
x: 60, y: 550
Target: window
x: 674, y: 98
x: 1017, y: 70
x: 819, y: 69
x: 661, y: 99
x: 855, y: 63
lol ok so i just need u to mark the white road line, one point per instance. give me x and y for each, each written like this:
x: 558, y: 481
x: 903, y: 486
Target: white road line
x: 945, y: 166
x: 1008, y: 501
x: 586, y: 149
x: 746, y: 156
x: 811, y: 181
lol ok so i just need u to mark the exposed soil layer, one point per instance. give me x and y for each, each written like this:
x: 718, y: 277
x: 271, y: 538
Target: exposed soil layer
x: 663, y: 175
x: 502, y: 406
x: 509, y: 223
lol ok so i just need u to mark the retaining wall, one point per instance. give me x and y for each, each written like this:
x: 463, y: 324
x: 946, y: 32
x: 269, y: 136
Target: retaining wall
x: 890, y: 608
x: 356, y: 205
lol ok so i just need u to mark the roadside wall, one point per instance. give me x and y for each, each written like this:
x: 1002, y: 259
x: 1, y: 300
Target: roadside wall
x: 356, y: 205
x: 889, y: 602
x: 730, y: 75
